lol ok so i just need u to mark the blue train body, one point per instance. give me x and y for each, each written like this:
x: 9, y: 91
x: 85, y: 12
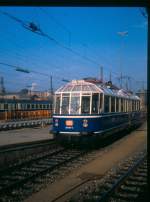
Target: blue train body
x: 91, y: 110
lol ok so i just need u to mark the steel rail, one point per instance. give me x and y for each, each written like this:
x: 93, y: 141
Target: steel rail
x: 120, y: 181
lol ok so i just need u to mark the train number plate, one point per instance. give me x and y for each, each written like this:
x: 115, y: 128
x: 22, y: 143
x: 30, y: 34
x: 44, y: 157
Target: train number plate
x: 69, y: 123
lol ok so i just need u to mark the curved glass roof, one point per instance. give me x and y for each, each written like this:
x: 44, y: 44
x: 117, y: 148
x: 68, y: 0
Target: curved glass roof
x: 79, y: 86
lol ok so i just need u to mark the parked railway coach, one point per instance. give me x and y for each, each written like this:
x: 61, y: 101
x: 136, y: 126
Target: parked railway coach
x: 87, y: 109
x: 18, y: 109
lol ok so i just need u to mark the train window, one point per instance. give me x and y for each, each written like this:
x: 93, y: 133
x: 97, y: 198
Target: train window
x: 22, y: 106
x: 13, y: 106
x: 44, y: 106
x: 133, y: 105
x: 124, y: 104
x: 85, y: 106
x: 127, y: 102
x: 5, y: 106
x: 28, y: 106
x: 57, y: 104
x: 1, y: 106
x: 112, y: 104
x: 106, y: 105
x: 40, y: 106
x: 32, y: 106
x: 65, y: 105
x: 75, y: 104
x: 9, y: 107
x: 95, y: 103
x: 101, y: 101
x: 121, y: 104
x: 117, y: 104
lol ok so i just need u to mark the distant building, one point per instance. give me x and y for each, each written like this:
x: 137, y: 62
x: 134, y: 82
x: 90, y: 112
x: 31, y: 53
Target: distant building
x: 2, y: 88
x: 39, y: 94
x: 143, y: 96
x: 27, y: 94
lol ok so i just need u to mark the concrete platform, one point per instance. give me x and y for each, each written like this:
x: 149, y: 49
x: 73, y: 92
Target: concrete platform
x: 24, y: 135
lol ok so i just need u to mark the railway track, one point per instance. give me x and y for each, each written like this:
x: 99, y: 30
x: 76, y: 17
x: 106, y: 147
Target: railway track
x: 16, y: 153
x: 17, y: 177
x: 130, y: 183
x: 127, y: 183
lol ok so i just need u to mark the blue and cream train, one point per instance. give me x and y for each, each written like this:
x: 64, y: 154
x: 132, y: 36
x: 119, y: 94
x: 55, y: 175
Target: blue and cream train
x: 86, y: 109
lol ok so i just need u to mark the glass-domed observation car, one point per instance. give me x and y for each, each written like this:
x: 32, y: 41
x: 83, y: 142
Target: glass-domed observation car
x: 77, y: 97
x: 85, y: 108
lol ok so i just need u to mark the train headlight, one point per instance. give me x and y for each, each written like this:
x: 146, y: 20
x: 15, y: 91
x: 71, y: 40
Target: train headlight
x: 56, y: 122
x: 85, y: 123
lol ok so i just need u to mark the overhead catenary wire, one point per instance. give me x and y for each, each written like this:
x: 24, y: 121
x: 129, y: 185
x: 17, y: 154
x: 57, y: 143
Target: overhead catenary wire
x: 30, y: 71
x: 35, y: 29
x: 58, y: 23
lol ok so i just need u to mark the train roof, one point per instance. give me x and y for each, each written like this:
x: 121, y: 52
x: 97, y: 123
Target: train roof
x: 77, y: 86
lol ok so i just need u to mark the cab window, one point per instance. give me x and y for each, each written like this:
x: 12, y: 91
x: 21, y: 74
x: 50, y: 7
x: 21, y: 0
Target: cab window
x: 85, y: 106
x: 95, y: 103
x: 65, y: 104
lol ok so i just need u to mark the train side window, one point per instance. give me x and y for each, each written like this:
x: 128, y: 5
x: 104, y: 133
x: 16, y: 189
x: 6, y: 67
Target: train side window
x: 44, y: 106
x: 5, y: 106
x: 85, y: 106
x: 101, y: 101
x: 106, y: 104
x: 117, y: 104
x: 23, y: 106
x: 1, y: 106
x: 75, y: 104
x: 95, y: 103
x: 137, y: 105
x: 127, y: 105
x: 28, y: 106
x: 124, y: 105
x: 9, y: 106
x: 112, y: 104
x: 65, y: 104
x: 121, y: 104
x: 133, y: 105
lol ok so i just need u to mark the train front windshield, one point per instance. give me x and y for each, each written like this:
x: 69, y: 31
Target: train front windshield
x: 75, y: 103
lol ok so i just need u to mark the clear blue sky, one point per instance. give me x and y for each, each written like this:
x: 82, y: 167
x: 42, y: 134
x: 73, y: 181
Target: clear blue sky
x: 93, y: 34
